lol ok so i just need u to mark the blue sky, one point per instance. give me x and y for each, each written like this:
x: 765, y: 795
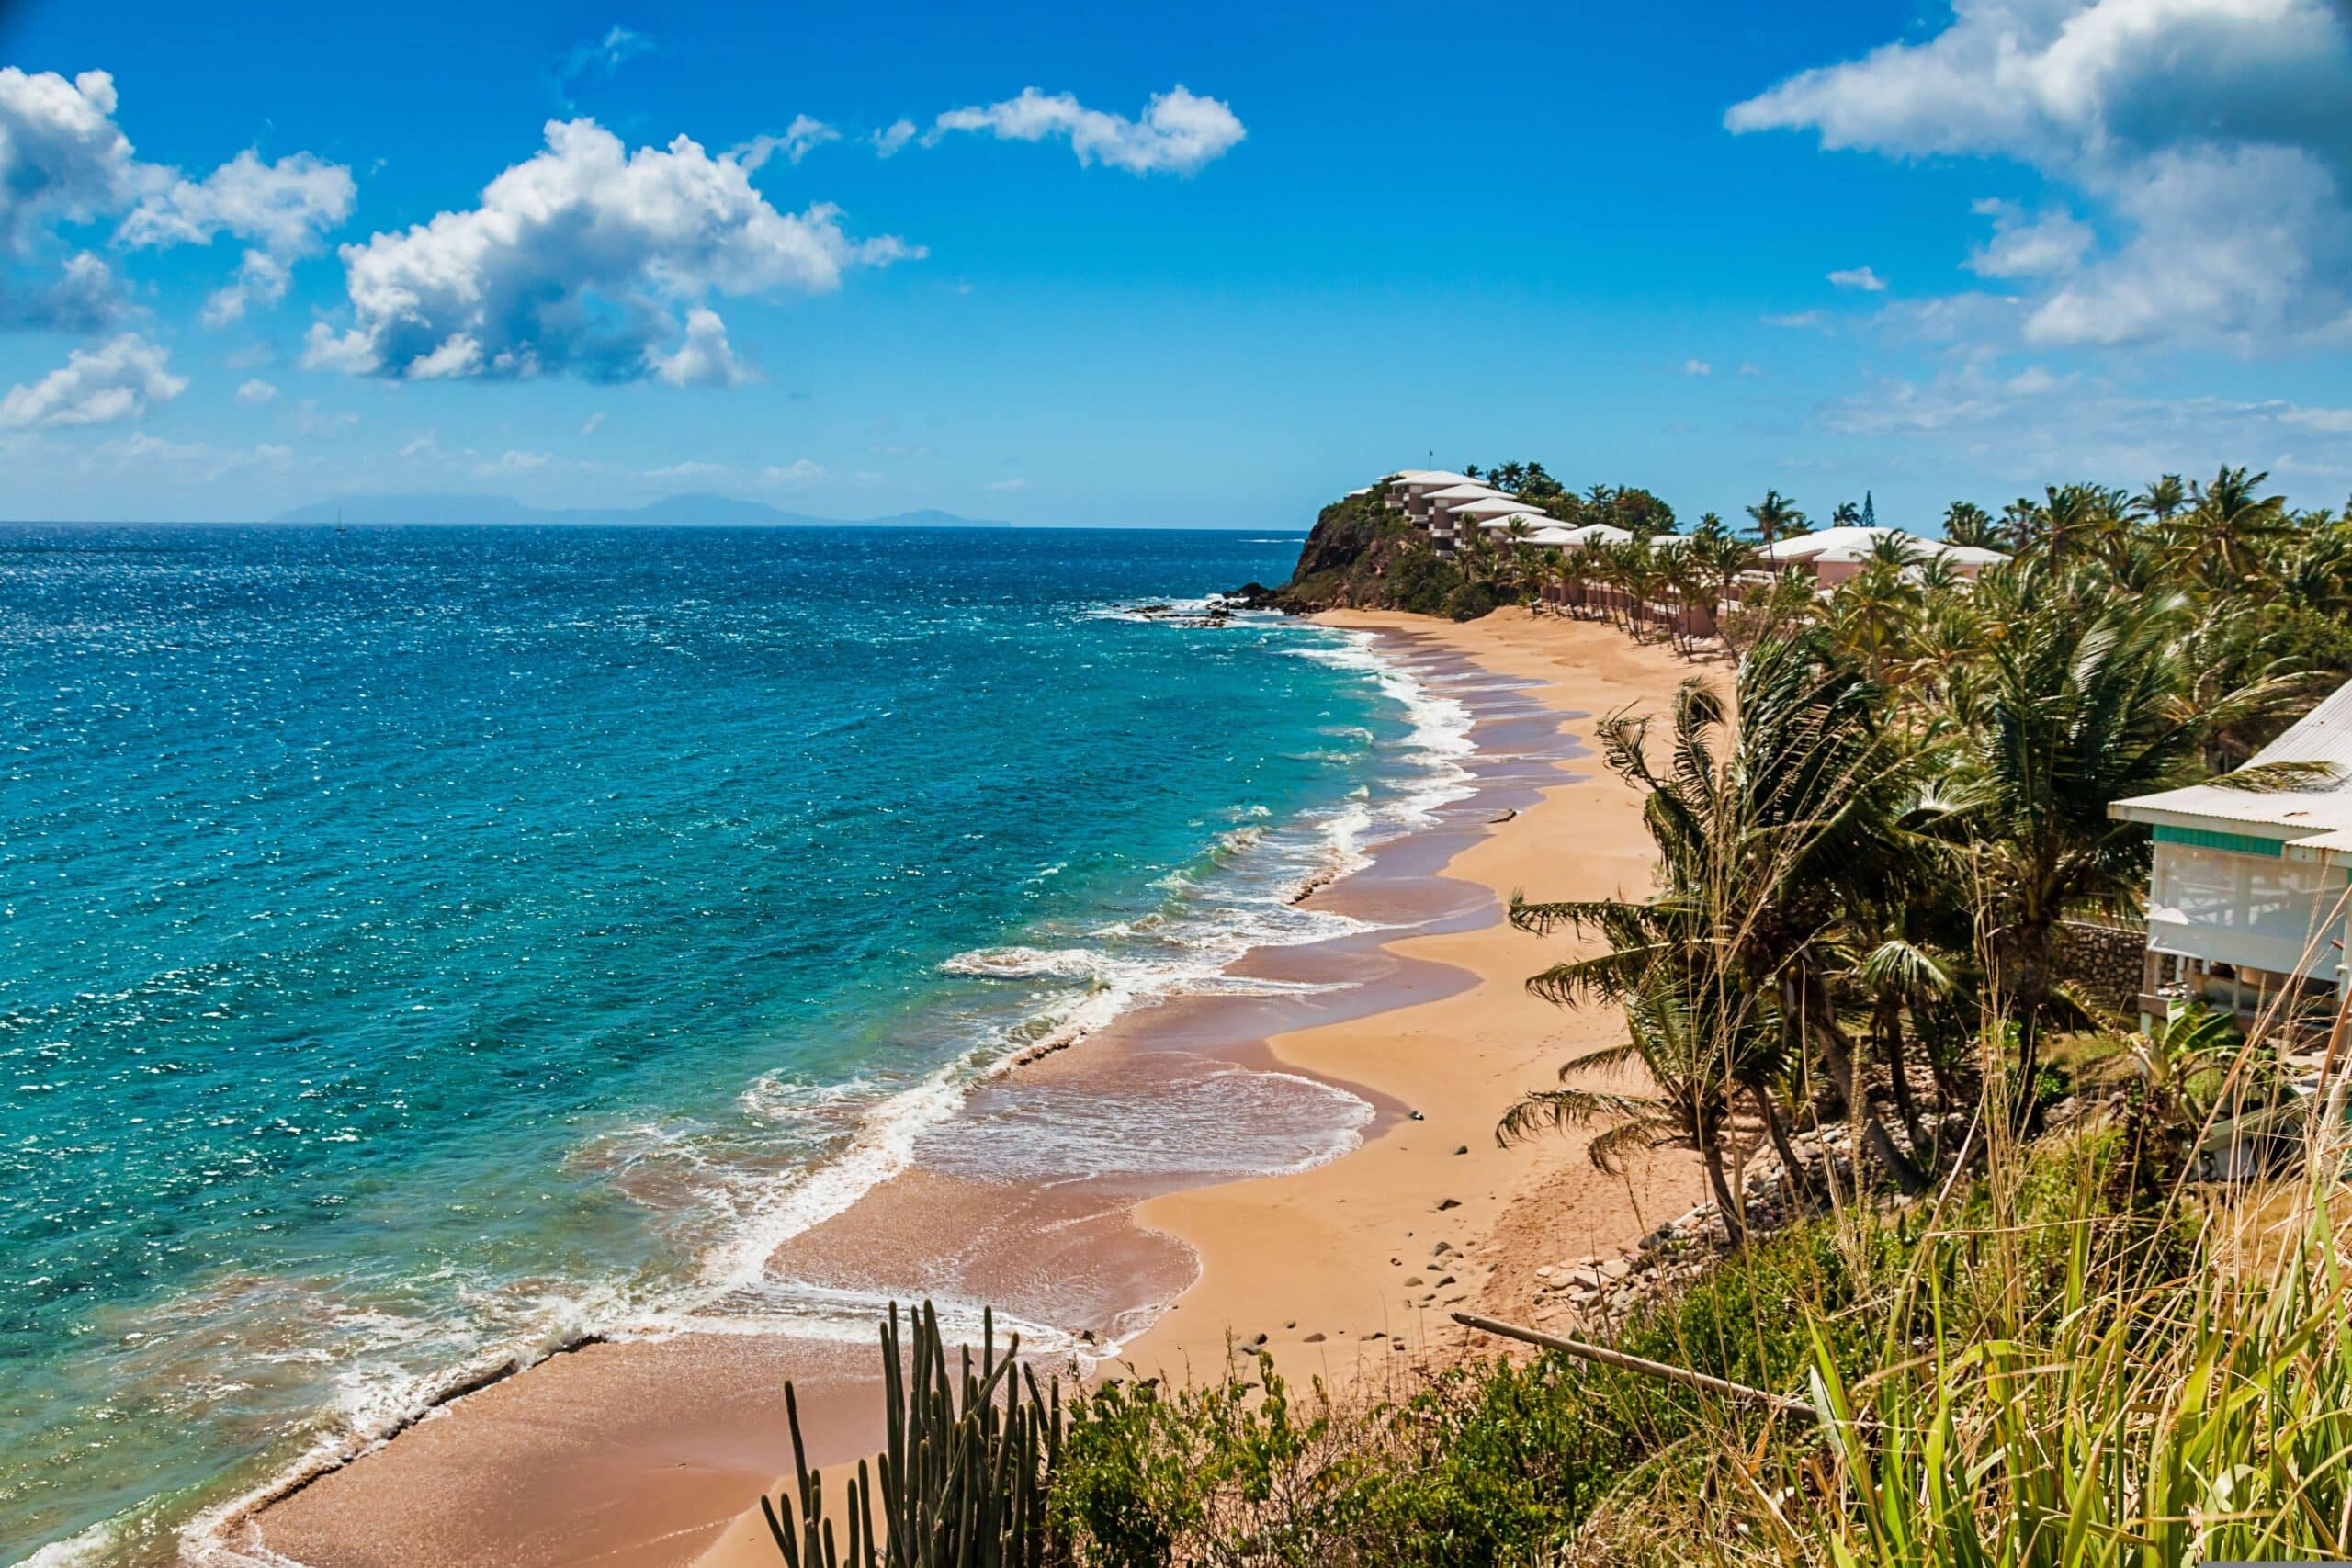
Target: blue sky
x: 1218, y: 264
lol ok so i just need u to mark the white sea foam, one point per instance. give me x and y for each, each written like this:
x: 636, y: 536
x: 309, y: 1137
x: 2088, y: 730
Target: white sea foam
x: 75, y: 1550
x: 1212, y: 919
x: 1026, y: 963
x: 1438, y: 726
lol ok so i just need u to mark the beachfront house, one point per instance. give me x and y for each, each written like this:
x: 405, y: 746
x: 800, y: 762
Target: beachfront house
x: 2246, y: 899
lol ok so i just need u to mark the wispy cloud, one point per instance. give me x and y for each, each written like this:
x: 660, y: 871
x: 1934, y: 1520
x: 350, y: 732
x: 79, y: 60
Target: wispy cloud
x: 804, y: 134
x: 596, y: 58
x: 513, y: 462
x: 1178, y: 132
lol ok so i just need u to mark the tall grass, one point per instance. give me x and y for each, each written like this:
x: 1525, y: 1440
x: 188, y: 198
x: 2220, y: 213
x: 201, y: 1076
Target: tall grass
x: 2181, y: 1396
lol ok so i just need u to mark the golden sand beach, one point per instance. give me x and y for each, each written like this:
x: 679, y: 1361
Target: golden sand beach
x: 655, y: 1453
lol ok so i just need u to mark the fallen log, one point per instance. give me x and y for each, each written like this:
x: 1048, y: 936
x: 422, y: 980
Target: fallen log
x: 1642, y: 1364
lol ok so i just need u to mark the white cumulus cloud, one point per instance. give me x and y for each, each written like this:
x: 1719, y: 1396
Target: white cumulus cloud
x: 579, y: 260
x: 704, y: 359
x: 1860, y: 277
x: 95, y: 387
x: 279, y: 208
x: 2209, y: 138
x: 1178, y: 132
x: 63, y: 160
x: 255, y: 391
x: 62, y: 156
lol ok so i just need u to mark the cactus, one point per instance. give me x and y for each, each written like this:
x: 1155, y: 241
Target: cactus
x: 963, y: 1481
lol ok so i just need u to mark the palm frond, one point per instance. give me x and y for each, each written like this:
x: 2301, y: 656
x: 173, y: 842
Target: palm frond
x: 2274, y: 778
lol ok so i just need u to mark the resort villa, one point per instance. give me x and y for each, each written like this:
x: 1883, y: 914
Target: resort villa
x: 1450, y: 507
x: 2247, y: 901
x: 1833, y: 555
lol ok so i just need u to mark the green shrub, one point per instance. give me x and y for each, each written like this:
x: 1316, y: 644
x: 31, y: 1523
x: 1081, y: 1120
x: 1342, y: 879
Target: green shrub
x: 1470, y: 600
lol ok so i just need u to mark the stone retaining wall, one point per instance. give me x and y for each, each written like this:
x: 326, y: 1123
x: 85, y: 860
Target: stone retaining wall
x: 2103, y: 961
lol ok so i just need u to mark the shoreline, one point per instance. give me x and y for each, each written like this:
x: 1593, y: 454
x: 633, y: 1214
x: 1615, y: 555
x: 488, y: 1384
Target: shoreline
x: 1269, y: 1244
x: 1219, y: 1258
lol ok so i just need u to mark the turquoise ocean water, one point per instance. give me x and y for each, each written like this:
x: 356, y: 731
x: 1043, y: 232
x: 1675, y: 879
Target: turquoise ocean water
x: 421, y: 946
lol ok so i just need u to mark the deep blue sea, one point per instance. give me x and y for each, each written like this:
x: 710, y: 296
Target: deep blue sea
x: 419, y: 944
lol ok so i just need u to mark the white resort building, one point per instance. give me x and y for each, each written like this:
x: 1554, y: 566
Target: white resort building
x: 2247, y: 901
x: 1449, y: 507
x: 1833, y: 555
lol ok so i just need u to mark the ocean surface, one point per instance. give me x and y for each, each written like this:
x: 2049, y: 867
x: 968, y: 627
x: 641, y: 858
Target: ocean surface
x: 420, y: 947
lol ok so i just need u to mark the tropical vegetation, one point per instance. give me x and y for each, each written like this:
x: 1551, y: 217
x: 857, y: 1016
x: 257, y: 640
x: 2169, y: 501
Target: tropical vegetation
x: 1991, y: 1334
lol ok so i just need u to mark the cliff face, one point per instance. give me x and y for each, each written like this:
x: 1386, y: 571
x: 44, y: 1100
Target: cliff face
x: 1363, y: 556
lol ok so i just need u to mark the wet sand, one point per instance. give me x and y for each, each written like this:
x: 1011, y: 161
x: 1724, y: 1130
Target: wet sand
x: 1133, y: 1189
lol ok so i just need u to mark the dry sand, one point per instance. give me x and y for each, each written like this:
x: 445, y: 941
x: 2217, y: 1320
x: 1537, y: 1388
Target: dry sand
x: 598, y: 1456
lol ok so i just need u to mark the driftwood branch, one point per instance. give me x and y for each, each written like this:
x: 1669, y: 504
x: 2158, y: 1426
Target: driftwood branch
x: 1601, y: 1353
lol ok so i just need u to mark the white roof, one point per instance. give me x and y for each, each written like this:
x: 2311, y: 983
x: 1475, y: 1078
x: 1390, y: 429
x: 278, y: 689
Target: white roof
x: 1855, y: 544
x: 2323, y: 735
x: 1495, y: 506
x: 1556, y: 534
x: 1598, y: 534
x: 1526, y: 514
x: 1423, y: 479
x: 1468, y: 490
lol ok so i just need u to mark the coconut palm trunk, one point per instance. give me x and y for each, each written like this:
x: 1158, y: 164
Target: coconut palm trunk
x: 1807, y: 1000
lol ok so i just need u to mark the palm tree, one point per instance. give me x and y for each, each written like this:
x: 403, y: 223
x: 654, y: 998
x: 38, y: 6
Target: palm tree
x: 1871, y: 613
x: 1776, y: 517
x: 2224, y: 535
x: 2161, y: 499
x: 1965, y: 522
x: 2021, y: 524
x: 2077, y: 520
x: 1475, y: 557
x: 1760, y: 845
x: 1688, y: 578
x: 1722, y: 556
x: 2084, y: 703
x: 1846, y: 515
x: 1675, y: 1033
x: 1637, y: 574
x: 1588, y: 567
